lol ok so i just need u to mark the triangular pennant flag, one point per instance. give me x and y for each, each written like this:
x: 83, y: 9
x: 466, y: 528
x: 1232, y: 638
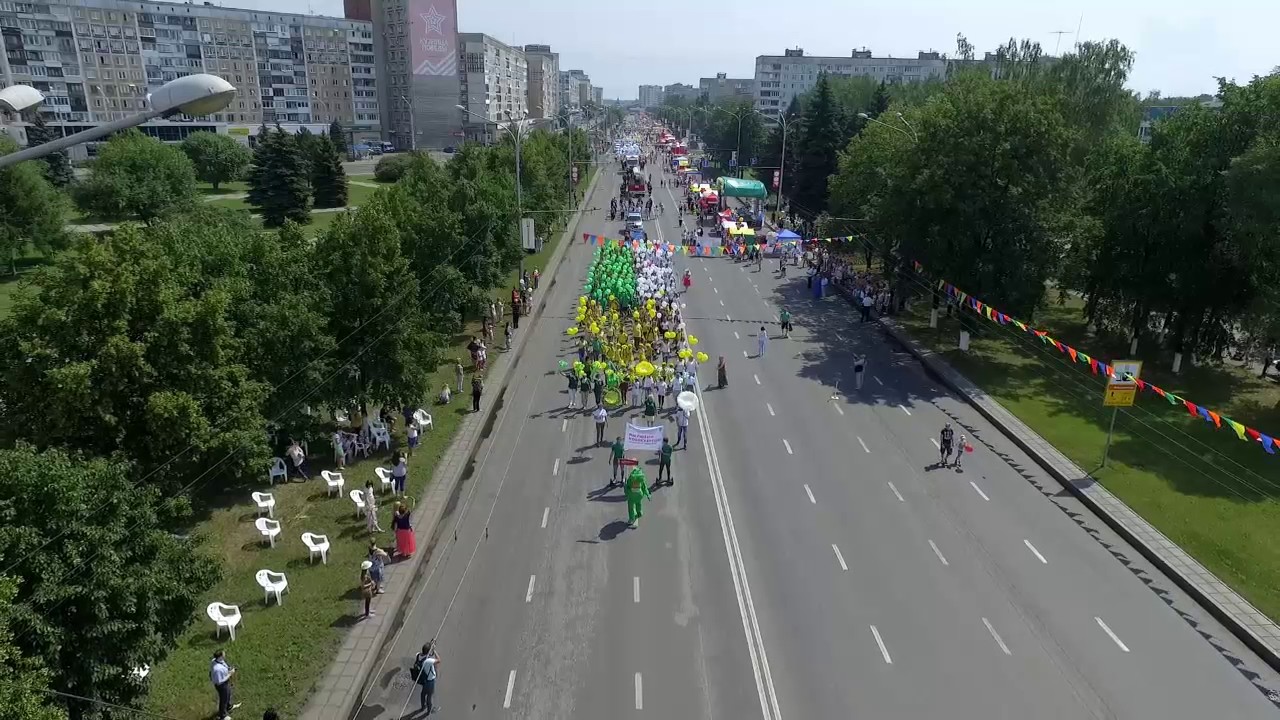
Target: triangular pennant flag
x: 1072, y: 352
x: 1173, y: 399
x: 1234, y: 426
x: 1093, y: 365
x: 1191, y: 407
x: 1106, y: 369
x: 1215, y: 418
x: 1253, y: 433
x: 1085, y: 358
x: 1141, y: 385
x: 1268, y: 444
x: 1020, y: 325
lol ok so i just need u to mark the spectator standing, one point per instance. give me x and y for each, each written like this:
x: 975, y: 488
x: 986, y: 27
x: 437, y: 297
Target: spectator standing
x: 220, y: 674
x: 371, y: 509
x: 477, y: 389
x: 378, y: 560
x: 297, y: 459
x: 367, y: 588
x: 425, y: 665
x: 401, y: 522
x: 399, y: 472
x: 459, y: 373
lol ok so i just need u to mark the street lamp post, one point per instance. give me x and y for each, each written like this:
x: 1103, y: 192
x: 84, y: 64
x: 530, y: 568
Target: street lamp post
x: 739, y: 116
x: 515, y: 135
x: 413, y: 128
x: 193, y: 95
x: 895, y: 128
x: 782, y: 163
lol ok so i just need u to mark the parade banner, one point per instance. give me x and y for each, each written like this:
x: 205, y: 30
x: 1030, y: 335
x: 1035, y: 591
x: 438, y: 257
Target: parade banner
x: 433, y: 37
x: 643, y: 438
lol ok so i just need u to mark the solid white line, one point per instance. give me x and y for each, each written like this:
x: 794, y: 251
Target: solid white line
x: 635, y: 588
x: 838, y: 408
x: 564, y: 424
x: 639, y: 693
x: 938, y: 552
x: 721, y: 303
x: 935, y: 444
x: 555, y: 469
x: 873, y: 377
x: 975, y: 487
x: 757, y: 378
x: 809, y: 492
x: 770, y: 409
x: 839, y: 557
x: 736, y: 336
x: 1113, y: 635
x: 528, y: 594
x: 511, y: 685
x: 996, y: 636
x: 788, y: 446
x: 904, y: 408
x: 895, y: 492
x: 884, y: 651
x: 864, y: 446
x: 1033, y: 549
x: 546, y: 512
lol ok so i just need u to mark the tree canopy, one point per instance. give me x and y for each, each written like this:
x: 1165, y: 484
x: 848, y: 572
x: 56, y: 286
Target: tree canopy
x: 137, y: 177
x: 35, y: 213
x: 216, y: 158
x: 280, y: 179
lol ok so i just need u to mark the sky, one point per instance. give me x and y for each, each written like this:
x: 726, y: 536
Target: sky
x: 1181, y: 45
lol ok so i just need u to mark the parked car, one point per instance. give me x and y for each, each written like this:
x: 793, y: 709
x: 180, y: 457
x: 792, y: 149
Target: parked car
x: 450, y: 150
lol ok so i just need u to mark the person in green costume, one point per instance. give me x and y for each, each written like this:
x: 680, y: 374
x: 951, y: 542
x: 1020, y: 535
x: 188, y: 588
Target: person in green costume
x: 637, y: 493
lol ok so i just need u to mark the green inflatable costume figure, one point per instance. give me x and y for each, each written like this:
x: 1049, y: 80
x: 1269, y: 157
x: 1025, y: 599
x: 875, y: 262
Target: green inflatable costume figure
x: 637, y: 492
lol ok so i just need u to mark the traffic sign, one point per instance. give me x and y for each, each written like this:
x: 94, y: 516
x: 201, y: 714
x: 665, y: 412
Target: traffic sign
x: 574, y: 175
x: 776, y: 175
x: 1127, y: 371
x: 1121, y: 395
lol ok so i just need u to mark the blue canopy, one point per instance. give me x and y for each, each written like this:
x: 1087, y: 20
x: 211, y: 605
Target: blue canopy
x: 788, y: 235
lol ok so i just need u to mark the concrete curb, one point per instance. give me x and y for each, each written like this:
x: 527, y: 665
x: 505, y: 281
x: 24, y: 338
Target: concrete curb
x: 1244, y: 620
x: 338, y: 695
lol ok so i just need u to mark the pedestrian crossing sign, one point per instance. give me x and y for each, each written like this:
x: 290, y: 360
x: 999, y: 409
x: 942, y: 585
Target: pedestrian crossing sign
x: 1120, y: 395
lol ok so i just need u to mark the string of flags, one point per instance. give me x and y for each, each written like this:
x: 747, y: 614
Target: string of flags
x: 1098, y: 367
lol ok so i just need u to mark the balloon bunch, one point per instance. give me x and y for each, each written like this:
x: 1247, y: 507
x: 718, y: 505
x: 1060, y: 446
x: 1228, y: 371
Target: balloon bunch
x: 612, y: 276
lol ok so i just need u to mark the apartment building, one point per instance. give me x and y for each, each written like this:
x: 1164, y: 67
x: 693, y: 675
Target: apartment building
x: 495, y: 85
x: 680, y: 91
x: 779, y: 78
x: 544, y: 81
x: 722, y: 87
x: 575, y: 89
x: 597, y: 95
x: 96, y: 60
x: 650, y: 96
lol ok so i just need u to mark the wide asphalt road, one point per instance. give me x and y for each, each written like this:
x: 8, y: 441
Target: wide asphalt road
x: 809, y: 562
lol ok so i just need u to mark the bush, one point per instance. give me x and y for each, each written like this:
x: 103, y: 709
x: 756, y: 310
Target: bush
x: 392, y: 167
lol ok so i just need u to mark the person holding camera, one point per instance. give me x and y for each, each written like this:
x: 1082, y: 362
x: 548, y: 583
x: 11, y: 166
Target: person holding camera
x: 424, y: 672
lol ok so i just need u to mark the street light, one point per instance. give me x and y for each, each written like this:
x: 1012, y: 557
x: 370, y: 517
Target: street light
x: 782, y: 120
x: 739, y: 116
x: 515, y: 135
x: 19, y: 98
x: 895, y: 128
x: 192, y: 95
x: 413, y: 128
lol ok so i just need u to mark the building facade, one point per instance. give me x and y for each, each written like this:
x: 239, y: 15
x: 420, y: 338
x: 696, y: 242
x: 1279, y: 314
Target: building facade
x: 495, y: 85
x: 416, y: 47
x: 650, y: 96
x: 722, y: 87
x: 575, y: 89
x: 96, y: 61
x: 679, y: 91
x: 544, y: 81
x: 597, y: 96
x: 779, y: 78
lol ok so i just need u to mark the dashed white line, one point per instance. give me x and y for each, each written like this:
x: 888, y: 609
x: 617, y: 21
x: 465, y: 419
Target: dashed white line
x: 864, y: 446
x: 528, y: 594
x: 555, y: 469
x: 546, y: 513
x: 996, y: 636
x: 904, y: 408
x: 736, y: 336
x: 809, y: 492
x: 838, y: 408
x: 1035, y: 552
x: 757, y: 289
x: 896, y: 494
x: 788, y: 446
x: 1113, y: 635
x: 757, y: 378
x: 511, y: 685
x: 715, y: 290
x: 564, y: 425
x: 938, y: 552
x: 979, y: 490
x: 721, y: 303
x: 639, y: 693
x: 839, y: 557
x: 884, y: 651
x: 935, y: 444
x: 744, y: 354
x: 873, y: 377
x: 770, y: 409
x: 726, y: 317
x: 635, y: 588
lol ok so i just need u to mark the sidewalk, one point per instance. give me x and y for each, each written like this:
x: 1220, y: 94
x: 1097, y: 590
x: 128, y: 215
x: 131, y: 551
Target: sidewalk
x: 337, y: 695
x: 1244, y: 620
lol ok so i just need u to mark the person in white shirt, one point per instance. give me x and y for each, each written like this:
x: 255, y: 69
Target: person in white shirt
x: 371, y: 509
x: 762, y: 339
x: 220, y: 674
x: 601, y: 417
x: 297, y: 459
x: 424, y: 668
x: 662, y: 393
x: 682, y: 428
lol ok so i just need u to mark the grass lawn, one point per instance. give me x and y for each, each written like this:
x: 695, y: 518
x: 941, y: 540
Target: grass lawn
x: 226, y: 188
x: 1209, y: 492
x: 282, y: 651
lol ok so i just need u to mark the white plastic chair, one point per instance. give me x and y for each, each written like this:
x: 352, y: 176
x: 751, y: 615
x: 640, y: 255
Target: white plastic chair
x: 334, y: 480
x: 224, y: 616
x: 341, y: 417
x: 423, y: 418
x: 272, y: 583
x: 381, y: 437
x: 357, y: 497
x: 362, y: 445
x: 384, y: 477
x: 140, y: 673
x: 316, y: 544
x: 278, y: 470
x: 268, y: 529
x: 265, y: 501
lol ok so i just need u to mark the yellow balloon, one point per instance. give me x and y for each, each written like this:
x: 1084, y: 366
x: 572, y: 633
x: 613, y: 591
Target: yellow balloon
x: 692, y: 341
x: 594, y: 329
x: 650, y: 303
x: 653, y: 313
x: 670, y: 335
x: 571, y: 331
x: 703, y: 357
x: 685, y: 353
x: 635, y: 314
x: 582, y: 299
x: 644, y: 368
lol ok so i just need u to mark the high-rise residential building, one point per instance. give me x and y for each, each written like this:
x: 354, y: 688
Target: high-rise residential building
x: 597, y: 95
x: 416, y: 45
x: 96, y: 60
x: 722, y: 87
x: 779, y: 78
x: 495, y: 81
x: 575, y: 88
x: 650, y: 96
x: 680, y: 91
x: 544, y: 81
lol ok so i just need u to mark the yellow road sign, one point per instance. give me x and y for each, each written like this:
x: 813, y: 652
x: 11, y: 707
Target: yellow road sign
x: 1120, y: 395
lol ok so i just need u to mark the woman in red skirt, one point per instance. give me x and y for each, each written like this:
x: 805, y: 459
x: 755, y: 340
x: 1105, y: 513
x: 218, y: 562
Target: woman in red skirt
x: 406, y: 543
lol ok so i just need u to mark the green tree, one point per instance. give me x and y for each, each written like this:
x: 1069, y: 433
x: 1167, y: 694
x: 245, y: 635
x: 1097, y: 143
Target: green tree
x: 216, y: 158
x: 770, y: 154
x: 136, y: 176
x: 328, y: 180
x: 104, y: 586
x: 35, y: 213
x: 279, y: 186
x: 817, y: 150
x: 23, y: 680
x: 57, y: 167
x: 868, y: 174
x: 483, y: 196
x: 338, y: 136
x: 391, y: 168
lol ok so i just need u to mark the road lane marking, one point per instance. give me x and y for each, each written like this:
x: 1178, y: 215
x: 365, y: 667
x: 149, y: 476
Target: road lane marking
x: 788, y: 446
x: 639, y: 693
x: 884, y: 651
x: 555, y: 469
x: 864, y: 446
x: 715, y: 290
x: 904, y: 408
x: 996, y: 636
x: 757, y: 378
x: 511, y: 685
x: 895, y: 492
x: 564, y: 424
x: 721, y: 303
x: 756, y: 288
x: 979, y: 491
x: 736, y: 336
x: 935, y: 444
x: 938, y: 552
x: 809, y: 492
x: 528, y: 594
x: 873, y: 377
x: 726, y: 317
x: 744, y: 354
x: 1113, y: 635
x: 1033, y: 549
x: 635, y: 588
x: 839, y: 557
x: 546, y: 512
x: 770, y: 409
x: 838, y: 408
